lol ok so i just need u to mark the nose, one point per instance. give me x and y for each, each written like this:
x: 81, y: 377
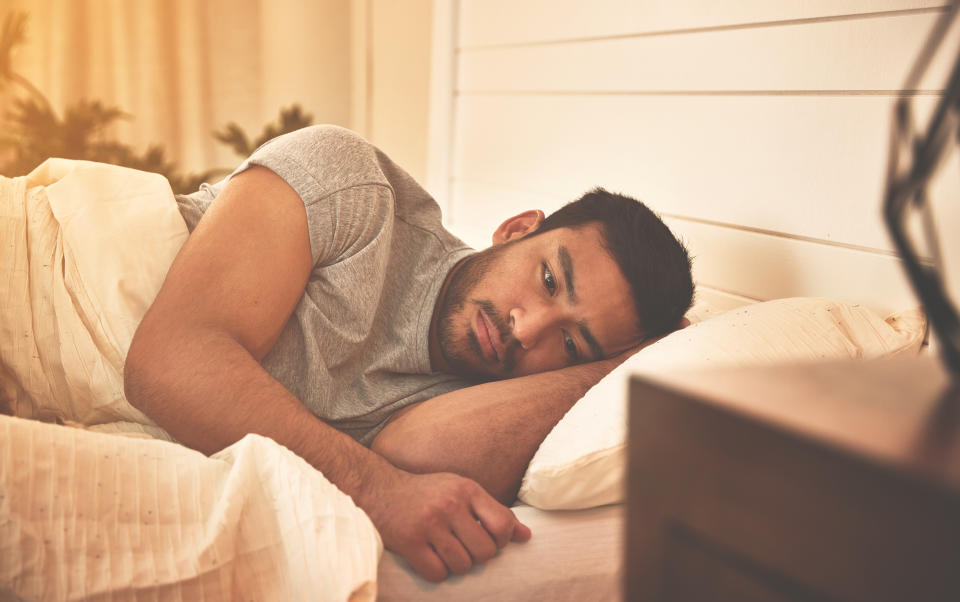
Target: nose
x: 529, y: 323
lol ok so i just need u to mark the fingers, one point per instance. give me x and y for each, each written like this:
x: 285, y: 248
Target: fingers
x: 442, y: 524
x: 477, y: 528
x: 521, y: 532
x: 455, y: 551
x: 451, y: 551
x: 426, y: 563
x: 498, y: 520
x: 476, y: 539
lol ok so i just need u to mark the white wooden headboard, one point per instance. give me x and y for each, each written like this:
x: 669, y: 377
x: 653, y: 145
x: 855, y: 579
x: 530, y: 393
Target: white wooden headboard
x: 758, y: 129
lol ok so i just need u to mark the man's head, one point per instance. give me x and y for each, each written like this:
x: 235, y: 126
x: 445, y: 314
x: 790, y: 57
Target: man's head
x: 593, y: 279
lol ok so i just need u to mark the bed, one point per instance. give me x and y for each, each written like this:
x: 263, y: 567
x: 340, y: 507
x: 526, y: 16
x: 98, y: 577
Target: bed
x: 104, y: 506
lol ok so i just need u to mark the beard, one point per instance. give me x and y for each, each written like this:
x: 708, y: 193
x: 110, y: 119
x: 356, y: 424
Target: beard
x: 457, y: 350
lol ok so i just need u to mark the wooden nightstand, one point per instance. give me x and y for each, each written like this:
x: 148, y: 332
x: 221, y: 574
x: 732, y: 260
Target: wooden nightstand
x: 836, y: 481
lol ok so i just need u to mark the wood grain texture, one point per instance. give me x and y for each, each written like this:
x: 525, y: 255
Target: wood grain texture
x: 796, y: 507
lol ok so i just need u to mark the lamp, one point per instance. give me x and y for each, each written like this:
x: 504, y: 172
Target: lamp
x: 914, y: 158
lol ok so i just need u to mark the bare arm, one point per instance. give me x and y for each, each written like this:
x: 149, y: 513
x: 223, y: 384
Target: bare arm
x: 488, y: 432
x: 193, y: 367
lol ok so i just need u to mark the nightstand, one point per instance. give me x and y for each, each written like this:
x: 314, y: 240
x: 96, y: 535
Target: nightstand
x: 836, y: 481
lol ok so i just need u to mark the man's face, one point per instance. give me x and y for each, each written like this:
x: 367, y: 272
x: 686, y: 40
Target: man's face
x: 532, y: 304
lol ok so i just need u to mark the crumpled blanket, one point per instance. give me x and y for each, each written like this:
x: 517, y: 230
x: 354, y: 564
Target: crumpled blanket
x: 84, y: 248
x: 93, y: 516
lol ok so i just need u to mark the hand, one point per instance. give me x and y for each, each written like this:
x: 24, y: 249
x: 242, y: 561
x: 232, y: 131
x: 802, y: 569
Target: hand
x: 442, y: 523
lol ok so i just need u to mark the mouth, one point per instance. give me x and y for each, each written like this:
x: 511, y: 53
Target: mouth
x: 488, y: 337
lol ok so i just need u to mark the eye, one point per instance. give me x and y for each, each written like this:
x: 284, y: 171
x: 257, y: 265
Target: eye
x: 548, y: 280
x: 571, y: 347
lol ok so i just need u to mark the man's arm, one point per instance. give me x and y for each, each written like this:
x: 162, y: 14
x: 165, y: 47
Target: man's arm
x: 490, y: 432
x: 487, y: 432
x: 193, y: 367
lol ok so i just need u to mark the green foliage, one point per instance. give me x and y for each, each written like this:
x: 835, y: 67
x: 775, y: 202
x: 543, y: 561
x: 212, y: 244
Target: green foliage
x: 34, y: 132
x: 31, y: 131
x: 290, y: 120
x: 14, y: 32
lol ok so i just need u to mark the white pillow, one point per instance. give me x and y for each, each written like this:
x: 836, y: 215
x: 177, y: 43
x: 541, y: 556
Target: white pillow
x: 581, y: 462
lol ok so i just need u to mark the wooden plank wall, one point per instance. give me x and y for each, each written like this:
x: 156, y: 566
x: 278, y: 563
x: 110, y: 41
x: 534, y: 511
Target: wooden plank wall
x: 758, y: 129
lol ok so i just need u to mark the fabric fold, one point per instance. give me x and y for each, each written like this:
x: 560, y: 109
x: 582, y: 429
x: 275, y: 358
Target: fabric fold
x: 87, y: 247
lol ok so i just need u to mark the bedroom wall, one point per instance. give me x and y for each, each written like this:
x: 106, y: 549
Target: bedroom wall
x: 758, y: 129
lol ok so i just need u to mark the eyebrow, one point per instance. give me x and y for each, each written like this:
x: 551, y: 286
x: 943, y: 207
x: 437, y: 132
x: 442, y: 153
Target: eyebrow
x: 566, y: 264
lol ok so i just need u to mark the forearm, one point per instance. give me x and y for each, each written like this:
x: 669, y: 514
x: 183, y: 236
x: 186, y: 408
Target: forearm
x: 488, y: 432
x: 208, y: 392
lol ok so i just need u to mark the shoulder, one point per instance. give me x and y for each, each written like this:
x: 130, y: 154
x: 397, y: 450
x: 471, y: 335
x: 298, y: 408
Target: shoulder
x: 318, y: 161
x: 325, y: 143
x: 329, y: 134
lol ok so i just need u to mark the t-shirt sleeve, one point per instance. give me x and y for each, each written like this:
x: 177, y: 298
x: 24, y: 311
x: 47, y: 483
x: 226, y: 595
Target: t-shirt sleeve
x: 348, y: 201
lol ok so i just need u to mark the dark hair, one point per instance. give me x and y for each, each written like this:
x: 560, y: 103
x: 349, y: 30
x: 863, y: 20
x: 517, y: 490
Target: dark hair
x: 655, y: 264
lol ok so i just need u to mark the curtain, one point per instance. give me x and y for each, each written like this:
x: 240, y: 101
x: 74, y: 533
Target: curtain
x: 184, y: 68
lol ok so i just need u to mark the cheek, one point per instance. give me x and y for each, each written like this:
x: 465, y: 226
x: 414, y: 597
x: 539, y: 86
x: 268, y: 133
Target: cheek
x: 539, y: 359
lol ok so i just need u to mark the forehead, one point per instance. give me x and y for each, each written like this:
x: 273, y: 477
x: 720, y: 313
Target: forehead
x: 604, y: 300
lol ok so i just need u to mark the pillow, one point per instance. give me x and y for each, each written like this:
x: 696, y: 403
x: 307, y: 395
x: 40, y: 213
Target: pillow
x: 581, y: 462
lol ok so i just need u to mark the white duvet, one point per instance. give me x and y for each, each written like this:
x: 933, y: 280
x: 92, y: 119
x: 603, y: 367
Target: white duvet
x: 84, y: 247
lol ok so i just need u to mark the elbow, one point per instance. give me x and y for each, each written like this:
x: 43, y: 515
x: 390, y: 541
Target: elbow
x: 397, y: 448
x: 408, y: 442
x: 133, y: 380
x: 412, y: 447
x: 139, y: 365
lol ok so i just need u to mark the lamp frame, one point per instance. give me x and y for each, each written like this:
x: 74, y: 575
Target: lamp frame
x: 912, y: 161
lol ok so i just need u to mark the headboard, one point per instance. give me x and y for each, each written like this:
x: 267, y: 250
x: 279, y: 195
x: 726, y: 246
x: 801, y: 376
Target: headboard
x: 758, y: 130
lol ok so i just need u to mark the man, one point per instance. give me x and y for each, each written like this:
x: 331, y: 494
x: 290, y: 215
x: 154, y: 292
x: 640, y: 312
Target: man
x: 319, y: 295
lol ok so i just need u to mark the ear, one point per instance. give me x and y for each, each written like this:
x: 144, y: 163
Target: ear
x: 518, y: 226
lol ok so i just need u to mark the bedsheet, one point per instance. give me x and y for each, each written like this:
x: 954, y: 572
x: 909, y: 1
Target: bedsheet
x: 93, y: 516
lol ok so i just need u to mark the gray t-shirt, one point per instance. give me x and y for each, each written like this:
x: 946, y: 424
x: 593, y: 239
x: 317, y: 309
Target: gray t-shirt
x: 355, y: 349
